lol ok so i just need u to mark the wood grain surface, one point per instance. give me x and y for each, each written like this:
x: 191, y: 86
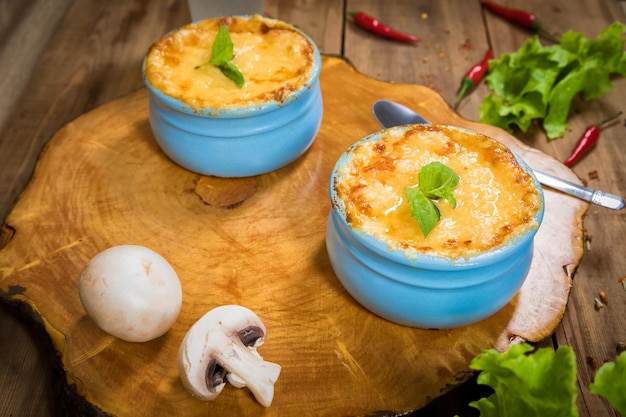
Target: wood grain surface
x: 102, y: 181
x: 63, y: 58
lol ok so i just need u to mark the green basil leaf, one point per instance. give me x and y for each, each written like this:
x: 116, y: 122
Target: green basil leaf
x: 222, y: 50
x: 231, y: 71
x: 436, y: 180
x: 423, y: 210
x: 222, y: 54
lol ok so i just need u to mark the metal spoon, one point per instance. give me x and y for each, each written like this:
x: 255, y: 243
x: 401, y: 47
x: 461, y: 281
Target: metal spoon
x: 389, y: 113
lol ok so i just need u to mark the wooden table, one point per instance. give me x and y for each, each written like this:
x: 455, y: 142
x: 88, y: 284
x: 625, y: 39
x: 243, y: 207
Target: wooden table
x: 62, y: 58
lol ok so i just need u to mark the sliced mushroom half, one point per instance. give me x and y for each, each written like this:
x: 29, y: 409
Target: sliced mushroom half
x: 221, y: 346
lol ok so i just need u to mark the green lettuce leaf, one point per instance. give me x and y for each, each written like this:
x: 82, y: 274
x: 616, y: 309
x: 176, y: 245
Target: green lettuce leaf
x: 610, y: 382
x: 539, y: 82
x: 530, y: 385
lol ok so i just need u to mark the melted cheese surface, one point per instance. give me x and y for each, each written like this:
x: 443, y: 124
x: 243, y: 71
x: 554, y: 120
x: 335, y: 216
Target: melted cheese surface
x: 496, y: 198
x: 274, y: 58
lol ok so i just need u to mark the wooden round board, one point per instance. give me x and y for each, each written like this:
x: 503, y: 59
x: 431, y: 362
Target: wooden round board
x: 259, y: 242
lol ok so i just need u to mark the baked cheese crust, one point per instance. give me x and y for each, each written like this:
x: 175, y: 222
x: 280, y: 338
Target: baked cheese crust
x: 496, y: 198
x: 274, y: 58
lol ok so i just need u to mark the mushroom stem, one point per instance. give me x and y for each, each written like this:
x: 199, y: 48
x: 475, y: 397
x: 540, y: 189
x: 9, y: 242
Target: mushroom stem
x: 243, y: 362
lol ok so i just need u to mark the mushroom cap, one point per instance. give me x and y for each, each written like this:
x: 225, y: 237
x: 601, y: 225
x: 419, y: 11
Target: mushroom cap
x: 131, y: 292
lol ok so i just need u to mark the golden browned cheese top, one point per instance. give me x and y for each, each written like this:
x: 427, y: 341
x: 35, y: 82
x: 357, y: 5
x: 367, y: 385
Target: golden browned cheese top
x: 274, y: 58
x: 496, y: 198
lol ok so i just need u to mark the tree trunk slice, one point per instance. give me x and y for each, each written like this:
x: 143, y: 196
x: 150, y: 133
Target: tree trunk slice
x: 258, y: 242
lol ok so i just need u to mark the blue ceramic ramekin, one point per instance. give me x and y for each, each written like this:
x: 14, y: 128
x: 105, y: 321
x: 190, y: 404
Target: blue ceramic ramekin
x: 238, y: 142
x: 425, y: 291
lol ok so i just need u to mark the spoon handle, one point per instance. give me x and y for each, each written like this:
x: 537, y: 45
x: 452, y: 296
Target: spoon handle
x: 594, y: 196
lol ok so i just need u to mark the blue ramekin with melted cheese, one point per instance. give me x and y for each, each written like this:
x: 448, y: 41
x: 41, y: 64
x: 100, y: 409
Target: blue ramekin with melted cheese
x: 204, y: 123
x: 405, y: 278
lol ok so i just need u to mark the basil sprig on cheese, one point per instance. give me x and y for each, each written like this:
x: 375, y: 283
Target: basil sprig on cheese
x: 436, y: 181
x: 222, y: 55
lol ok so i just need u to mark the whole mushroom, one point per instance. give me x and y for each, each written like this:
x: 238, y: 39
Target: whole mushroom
x: 221, y: 346
x: 131, y: 292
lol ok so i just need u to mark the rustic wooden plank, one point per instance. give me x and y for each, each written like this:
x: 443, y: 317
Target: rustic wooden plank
x: 321, y: 20
x: 17, y: 62
x: 24, y: 363
x: 25, y: 358
x: 449, y: 45
x: 95, y: 69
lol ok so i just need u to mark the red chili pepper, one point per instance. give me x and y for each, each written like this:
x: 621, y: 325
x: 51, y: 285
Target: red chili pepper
x: 473, y: 77
x: 370, y: 24
x: 588, y: 139
x: 521, y: 17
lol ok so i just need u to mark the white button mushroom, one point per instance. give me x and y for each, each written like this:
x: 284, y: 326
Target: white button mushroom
x: 131, y: 292
x: 223, y: 343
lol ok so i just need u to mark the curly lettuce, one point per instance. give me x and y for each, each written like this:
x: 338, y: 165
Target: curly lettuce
x: 538, y: 383
x: 539, y: 82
